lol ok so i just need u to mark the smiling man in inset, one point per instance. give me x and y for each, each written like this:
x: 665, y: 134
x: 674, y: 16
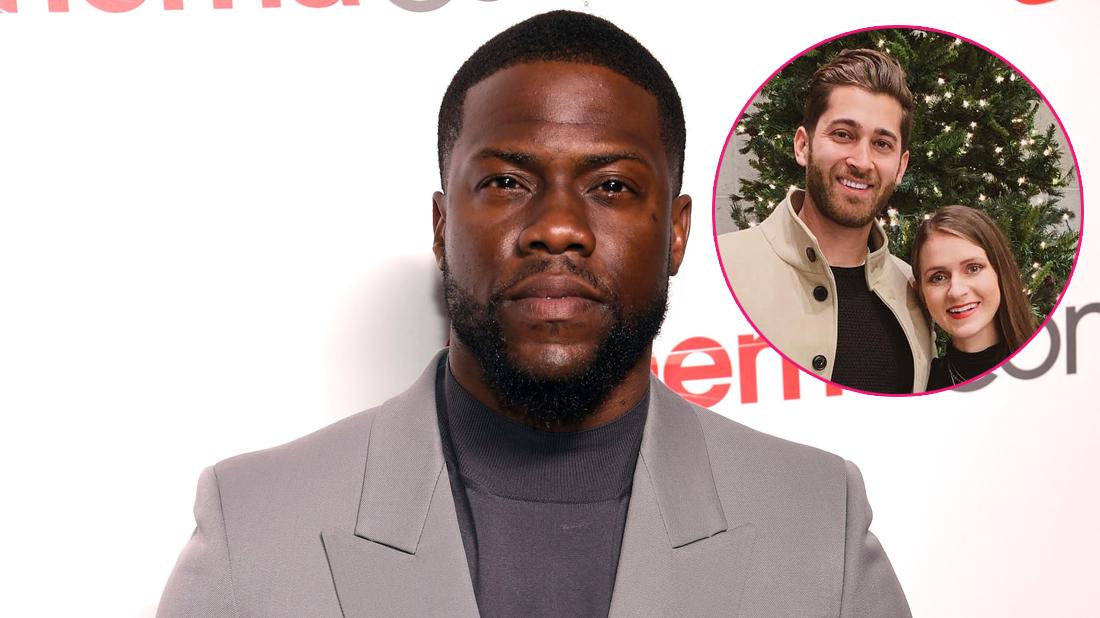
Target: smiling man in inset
x: 816, y: 277
x: 537, y: 468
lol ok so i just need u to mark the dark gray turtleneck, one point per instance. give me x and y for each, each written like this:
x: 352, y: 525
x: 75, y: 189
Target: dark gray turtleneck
x: 541, y: 513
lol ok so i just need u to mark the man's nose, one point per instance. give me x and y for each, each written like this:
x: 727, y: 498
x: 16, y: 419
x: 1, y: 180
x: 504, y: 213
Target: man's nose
x: 557, y: 222
x: 859, y: 157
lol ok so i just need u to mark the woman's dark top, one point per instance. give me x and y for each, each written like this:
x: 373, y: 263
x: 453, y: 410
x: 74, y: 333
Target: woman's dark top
x: 956, y: 366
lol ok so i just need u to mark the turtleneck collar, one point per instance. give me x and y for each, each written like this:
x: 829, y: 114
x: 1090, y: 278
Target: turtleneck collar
x: 510, y: 459
x: 971, y: 364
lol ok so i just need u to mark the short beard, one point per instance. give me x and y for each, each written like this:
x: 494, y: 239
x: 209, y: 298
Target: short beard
x: 817, y: 183
x: 558, y: 400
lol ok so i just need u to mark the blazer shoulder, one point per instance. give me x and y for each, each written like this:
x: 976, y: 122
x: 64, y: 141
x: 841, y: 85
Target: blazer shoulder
x: 308, y: 455
x: 796, y: 499
x: 782, y: 466
x: 722, y: 430
x: 340, y: 444
x: 259, y: 515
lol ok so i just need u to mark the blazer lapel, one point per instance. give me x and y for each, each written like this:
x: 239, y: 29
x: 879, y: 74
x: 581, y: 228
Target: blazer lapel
x: 405, y: 556
x: 679, y: 555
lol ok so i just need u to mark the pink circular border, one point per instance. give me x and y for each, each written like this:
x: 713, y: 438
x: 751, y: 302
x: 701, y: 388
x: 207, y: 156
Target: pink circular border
x: 1061, y: 127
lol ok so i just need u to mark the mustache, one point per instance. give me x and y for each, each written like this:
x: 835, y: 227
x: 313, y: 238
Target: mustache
x: 558, y: 265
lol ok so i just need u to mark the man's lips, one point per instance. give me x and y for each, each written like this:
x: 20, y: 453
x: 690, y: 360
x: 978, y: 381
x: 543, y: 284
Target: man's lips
x: 959, y: 312
x: 853, y: 184
x: 547, y: 285
x: 553, y: 298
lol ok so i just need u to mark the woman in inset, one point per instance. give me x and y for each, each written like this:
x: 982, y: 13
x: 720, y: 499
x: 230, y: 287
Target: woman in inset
x: 967, y: 279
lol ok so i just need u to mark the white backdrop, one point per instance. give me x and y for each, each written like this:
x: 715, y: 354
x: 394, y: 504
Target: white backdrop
x: 215, y: 237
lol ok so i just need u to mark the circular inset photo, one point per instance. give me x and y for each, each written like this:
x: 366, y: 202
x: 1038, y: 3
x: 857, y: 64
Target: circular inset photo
x: 897, y: 210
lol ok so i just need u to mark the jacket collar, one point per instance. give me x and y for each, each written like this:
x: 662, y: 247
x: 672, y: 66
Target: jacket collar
x: 675, y: 455
x: 405, y: 461
x: 796, y: 245
x: 406, y: 555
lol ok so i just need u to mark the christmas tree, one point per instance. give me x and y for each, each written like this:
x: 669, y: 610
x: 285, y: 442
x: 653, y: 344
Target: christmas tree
x: 974, y: 142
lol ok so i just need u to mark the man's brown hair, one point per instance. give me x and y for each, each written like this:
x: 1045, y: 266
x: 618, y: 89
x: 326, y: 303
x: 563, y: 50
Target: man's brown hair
x: 868, y: 69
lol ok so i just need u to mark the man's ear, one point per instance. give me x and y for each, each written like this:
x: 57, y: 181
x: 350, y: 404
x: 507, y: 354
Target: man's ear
x: 439, y: 225
x: 681, y: 229
x: 901, y: 168
x: 802, y: 146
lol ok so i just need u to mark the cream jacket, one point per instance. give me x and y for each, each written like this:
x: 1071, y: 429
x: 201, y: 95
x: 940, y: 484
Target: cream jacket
x: 786, y: 289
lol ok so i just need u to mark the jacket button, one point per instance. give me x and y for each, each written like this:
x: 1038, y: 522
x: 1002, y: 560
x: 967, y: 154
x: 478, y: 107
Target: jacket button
x: 811, y: 254
x: 819, y: 362
x: 820, y: 293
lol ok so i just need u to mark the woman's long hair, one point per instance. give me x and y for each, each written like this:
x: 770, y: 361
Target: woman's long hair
x: 1015, y: 322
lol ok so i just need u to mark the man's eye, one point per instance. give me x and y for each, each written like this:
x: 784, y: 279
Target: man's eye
x: 884, y: 145
x: 503, y: 182
x: 613, y: 186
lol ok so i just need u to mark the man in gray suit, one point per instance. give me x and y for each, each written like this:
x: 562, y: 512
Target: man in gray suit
x: 536, y: 467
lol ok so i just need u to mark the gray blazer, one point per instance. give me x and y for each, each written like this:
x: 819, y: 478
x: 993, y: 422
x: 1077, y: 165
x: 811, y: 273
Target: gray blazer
x: 358, y: 519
